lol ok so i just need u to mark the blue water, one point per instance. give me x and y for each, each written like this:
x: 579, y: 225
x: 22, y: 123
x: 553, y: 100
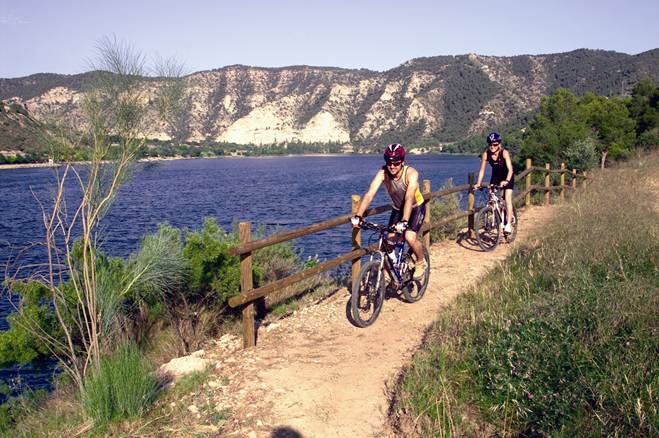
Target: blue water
x: 287, y: 192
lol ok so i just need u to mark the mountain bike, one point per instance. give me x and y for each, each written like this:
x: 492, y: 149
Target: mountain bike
x: 490, y: 219
x: 389, y: 267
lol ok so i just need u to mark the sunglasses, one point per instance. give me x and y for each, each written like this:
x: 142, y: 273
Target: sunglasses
x: 495, y: 144
x: 394, y: 163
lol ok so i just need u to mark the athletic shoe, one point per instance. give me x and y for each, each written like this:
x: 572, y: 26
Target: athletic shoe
x: 420, y: 269
x: 508, y: 228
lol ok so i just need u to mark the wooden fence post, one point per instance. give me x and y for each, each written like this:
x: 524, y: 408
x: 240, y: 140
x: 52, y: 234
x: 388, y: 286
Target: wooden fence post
x: 249, y: 329
x: 562, y: 183
x: 470, y: 205
x: 356, y: 240
x: 426, y: 234
x: 547, y: 184
x: 529, y: 164
x: 574, y: 178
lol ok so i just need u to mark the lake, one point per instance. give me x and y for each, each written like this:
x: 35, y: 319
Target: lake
x: 278, y: 192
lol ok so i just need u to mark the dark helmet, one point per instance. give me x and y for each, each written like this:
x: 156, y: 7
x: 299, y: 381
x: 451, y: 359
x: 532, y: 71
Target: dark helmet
x: 493, y: 137
x: 394, y: 152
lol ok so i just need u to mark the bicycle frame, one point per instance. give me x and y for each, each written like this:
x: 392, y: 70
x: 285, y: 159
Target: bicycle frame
x: 384, y: 246
x: 370, y: 288
x: 494, y: 201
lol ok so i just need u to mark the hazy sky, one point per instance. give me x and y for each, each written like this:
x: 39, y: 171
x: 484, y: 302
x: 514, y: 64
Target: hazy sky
x: 59, y: 36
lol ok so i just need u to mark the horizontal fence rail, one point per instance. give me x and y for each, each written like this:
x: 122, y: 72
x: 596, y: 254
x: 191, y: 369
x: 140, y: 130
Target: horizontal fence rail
x: 249, y: 296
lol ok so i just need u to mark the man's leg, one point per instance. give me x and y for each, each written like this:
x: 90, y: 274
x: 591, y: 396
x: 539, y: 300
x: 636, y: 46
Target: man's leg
x: 417, y: 249
x: 414, y: 243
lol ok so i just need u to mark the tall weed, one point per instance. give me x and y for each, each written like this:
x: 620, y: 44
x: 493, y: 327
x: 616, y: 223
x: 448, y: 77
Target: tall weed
x: 121, y: 388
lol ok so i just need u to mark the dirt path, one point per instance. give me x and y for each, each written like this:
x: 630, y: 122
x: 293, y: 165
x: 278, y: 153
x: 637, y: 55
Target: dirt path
x: 314, y: 374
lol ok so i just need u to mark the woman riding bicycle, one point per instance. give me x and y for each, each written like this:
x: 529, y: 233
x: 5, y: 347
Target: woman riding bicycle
x: 408, y: 207
x: 502, y: 172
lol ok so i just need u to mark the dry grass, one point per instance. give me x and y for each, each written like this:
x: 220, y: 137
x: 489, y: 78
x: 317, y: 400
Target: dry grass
x: 562, y: 339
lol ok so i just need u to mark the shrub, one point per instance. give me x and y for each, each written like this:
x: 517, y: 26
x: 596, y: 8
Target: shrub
x: 275, y: 261
x: 212, y: 268
x: 14, y: 407
x: 649, y: 140
x: 443, y: 207
x: 581, y: 155
x: 121, y: 387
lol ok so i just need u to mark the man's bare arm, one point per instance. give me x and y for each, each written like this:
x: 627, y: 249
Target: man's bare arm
x: 412, y: 186
x: 370, y: 193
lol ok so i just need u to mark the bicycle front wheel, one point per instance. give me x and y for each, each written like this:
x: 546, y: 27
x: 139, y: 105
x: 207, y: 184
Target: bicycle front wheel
x: 487, y: 229
x: 367, y: 294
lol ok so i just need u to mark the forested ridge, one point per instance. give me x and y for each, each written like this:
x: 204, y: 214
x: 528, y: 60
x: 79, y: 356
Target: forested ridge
x: 434, y: 102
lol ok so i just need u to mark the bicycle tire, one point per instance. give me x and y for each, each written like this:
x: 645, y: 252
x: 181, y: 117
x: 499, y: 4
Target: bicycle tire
x: 367, y: 295
x: 413, y: 290
x: 510, y: 237
x: 488, y: 233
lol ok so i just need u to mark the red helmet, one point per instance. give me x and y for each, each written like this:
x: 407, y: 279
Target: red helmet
x: 394, y: 152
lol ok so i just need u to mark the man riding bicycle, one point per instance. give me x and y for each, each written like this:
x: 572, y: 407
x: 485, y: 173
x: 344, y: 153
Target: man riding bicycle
x: 502, y: 172
x: 408, y: 207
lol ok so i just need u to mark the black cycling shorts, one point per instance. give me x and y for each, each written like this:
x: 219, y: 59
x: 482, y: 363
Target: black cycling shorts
x: 416, y: 217
x: 497, y: 182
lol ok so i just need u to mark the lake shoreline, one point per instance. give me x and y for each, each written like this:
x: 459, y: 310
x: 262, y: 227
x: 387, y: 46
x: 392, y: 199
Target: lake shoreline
x: 175, y: 158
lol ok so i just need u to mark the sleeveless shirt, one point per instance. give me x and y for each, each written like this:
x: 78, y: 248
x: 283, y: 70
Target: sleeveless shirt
x: 499, y: 168
x: 398, y: 188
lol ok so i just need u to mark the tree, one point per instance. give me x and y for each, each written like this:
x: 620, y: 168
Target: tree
x: 560, y: 123
x: 567, y: 127
x: 613, y: 129
x: 644, y: 105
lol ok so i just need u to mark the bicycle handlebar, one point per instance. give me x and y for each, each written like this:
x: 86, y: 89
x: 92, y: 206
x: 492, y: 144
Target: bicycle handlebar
x: 367, y: 225
x: 491, y: 187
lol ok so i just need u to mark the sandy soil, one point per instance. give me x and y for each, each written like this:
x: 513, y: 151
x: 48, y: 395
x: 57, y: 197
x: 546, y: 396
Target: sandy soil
x: 314, y: 374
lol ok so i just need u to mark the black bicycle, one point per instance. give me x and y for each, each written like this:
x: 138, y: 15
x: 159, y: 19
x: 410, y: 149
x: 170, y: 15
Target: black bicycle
x: 490, y: 220
x: 389, y: 267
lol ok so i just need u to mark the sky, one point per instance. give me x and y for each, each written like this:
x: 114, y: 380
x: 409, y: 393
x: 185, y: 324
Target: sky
x: 61, y: 36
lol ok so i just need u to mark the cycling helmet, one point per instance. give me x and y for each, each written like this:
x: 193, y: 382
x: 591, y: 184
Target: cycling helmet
x: 394, y: 152
x: 493, y: 137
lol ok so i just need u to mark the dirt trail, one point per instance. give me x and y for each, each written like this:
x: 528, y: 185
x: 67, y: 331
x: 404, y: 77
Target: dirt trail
x: 314, y: 374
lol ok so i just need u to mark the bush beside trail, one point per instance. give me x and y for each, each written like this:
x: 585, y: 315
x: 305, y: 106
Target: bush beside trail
x: 561, y: 338
x: 175, y: 306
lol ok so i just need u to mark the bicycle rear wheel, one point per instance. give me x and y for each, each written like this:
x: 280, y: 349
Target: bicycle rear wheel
x: 487, y: 229
x: 367, y: 294
x: 413, y: 290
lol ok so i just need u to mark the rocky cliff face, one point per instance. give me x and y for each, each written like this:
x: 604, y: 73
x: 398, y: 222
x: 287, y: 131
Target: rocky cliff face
x: 20, y: 133
x: 441, y: 98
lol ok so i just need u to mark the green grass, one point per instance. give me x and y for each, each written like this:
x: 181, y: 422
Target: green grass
x: 561, y: 340
x: 192, y: 382
x: 121, y: 388
x: 285, y: 308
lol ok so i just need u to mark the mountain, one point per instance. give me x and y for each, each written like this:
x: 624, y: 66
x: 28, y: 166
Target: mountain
x: 22, y: 138
x: 439, y: 99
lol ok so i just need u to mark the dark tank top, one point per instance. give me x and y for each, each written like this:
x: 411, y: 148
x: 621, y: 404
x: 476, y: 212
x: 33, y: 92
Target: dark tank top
x: 499, y: 169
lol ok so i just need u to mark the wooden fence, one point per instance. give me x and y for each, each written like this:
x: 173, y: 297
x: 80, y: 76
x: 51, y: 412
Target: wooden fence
x: 249, y: 296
